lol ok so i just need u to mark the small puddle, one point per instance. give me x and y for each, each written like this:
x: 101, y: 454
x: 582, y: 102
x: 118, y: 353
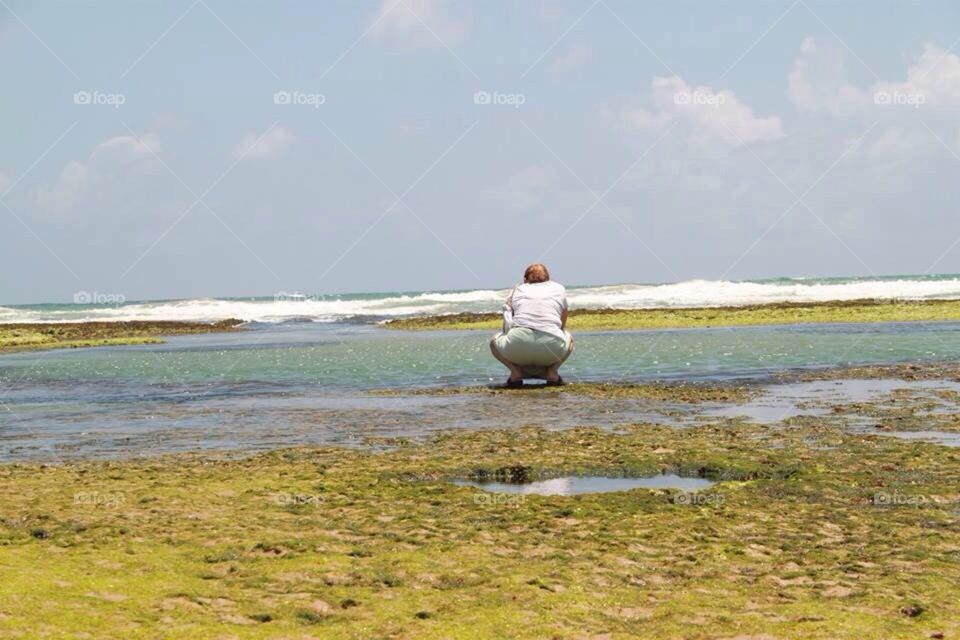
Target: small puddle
x: 574, y: 485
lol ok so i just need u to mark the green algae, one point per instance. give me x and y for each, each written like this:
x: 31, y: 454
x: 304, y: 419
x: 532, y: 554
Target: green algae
x: 898, y: 371
x: 73, y: 335
x: 765, y: 314
x: 812, y: 532
x: 680, y: 392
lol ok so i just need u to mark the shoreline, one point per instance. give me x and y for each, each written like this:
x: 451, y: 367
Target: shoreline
x: 779, y: 313
x: 39, y: 336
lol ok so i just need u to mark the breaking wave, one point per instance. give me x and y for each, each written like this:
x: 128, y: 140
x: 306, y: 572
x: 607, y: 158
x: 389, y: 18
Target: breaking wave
x: 334, y: 308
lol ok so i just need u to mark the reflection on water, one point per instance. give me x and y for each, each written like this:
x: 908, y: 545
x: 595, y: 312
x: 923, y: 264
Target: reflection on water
x: 573, y: 485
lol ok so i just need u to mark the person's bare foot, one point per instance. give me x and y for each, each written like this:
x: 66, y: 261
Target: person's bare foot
x: 516, y: 373
x: 552, y: 374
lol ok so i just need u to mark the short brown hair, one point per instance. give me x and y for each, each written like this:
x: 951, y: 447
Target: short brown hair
x: 536, y: 273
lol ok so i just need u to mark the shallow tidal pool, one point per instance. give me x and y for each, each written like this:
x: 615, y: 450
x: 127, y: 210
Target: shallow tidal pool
x: 575, y: 485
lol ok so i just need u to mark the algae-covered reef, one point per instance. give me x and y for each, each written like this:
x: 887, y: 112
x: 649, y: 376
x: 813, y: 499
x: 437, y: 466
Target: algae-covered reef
x: 671, y: 392
x: 764, y: 314
x: 65, y: 335
x: 810, y: 532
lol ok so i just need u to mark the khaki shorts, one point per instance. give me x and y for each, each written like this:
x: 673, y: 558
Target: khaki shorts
x: 524, y: 346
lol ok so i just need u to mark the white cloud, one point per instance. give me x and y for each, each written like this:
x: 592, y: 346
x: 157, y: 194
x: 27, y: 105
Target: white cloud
x: 68, y: 190
x: 706, y: 115
x: 114, y: 159
x: 274, y: 142
x: 524, y: 190
x: 900, y: 145
x: 716, y: 114
x: 935, y: 75
x: 901, y: 149
x: 894, y: 159
x: 638, y: 120
x: 572, y: 59
x: 410, y: 23
x: 818, y: 82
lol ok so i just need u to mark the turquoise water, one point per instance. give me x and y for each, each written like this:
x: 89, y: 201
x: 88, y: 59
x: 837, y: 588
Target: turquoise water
x: 289, y: 383
x: 365, y: 357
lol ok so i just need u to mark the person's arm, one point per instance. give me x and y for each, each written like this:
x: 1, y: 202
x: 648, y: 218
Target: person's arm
x: 563, y: 314
x: 508, y: 312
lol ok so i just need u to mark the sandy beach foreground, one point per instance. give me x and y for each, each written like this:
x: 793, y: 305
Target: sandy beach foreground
x: 817, y: 526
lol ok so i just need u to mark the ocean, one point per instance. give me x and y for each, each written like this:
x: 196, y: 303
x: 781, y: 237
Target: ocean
x: 371, y: 307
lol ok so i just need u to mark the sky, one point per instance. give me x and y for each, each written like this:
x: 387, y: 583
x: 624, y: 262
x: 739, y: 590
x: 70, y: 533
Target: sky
x: 206, y: 148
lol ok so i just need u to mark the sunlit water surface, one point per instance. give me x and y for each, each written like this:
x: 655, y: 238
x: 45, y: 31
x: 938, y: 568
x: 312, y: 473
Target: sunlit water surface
x: 295, y: 383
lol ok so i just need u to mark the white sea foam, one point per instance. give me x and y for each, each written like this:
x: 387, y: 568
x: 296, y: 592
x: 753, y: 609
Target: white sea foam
x: 692, y: 293
x: 702, y: 293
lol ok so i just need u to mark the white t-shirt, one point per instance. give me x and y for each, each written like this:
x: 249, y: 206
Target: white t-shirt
x: 537, y: 305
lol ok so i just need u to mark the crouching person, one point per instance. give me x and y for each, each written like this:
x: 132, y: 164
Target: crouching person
x: 534, y: 342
